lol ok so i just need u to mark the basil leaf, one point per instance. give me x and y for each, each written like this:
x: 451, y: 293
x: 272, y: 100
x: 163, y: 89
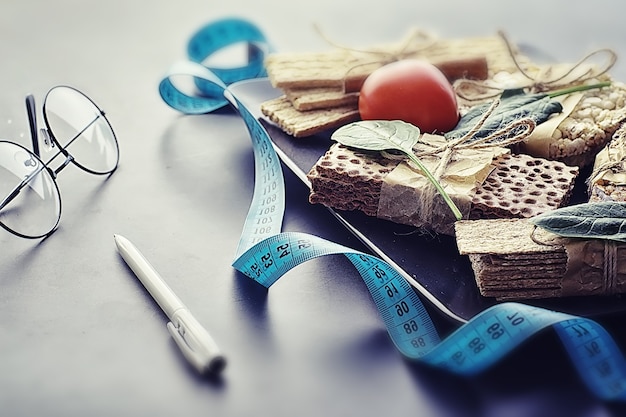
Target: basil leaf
x: 514, y: 105
x: 375, y: 135
x: 602, y: 220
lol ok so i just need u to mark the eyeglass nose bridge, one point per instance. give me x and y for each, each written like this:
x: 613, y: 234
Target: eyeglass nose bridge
x: 54, y: 172
x: 49, y: 142
x: 46, y: 139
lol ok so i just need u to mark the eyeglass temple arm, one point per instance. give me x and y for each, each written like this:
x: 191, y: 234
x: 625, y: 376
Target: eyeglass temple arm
x: 32, y: 122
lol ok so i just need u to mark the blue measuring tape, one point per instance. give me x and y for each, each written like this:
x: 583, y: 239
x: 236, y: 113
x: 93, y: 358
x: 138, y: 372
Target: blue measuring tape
x: 205, y: 43
x: 265, y: 253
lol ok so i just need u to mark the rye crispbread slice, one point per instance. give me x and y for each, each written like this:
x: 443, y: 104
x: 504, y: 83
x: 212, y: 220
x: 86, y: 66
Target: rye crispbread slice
x: 348, y: 179
x: 301, y: 124
x: 304, y: 99
x: 519, y: 186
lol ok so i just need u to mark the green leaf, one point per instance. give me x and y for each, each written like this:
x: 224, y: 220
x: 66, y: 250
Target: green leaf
x: 514, y: 105
x: 601, y: 220
x: 375, y: 135
x: 388, y: 135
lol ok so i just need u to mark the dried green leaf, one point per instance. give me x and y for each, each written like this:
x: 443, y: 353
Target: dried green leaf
x: 601, y: 220
x: 514, y: 105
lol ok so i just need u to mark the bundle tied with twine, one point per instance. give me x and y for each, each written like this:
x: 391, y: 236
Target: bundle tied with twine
x: 429, y: 208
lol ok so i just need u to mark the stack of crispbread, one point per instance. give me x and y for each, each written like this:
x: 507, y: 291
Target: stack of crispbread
x: 321, y: 89
x: 518, y: 186
x: 513, y: 260
x: 507, y: 263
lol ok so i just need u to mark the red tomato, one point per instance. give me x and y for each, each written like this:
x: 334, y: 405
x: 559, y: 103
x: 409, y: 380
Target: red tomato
x: 413, y: 91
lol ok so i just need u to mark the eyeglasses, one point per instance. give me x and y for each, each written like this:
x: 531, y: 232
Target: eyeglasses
x: 75, y: 128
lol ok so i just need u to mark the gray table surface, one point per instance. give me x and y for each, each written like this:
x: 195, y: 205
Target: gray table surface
x: 79, y: 336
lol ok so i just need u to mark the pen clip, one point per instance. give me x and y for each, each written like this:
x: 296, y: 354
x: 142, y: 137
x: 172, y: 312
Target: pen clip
x: 195, y: 343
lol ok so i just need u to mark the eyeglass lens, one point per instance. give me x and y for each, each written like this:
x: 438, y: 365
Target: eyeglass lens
x: 31, y: 205
x: 79, y: 127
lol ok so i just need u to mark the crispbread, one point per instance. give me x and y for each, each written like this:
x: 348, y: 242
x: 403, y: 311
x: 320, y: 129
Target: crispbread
x: 349, y: 179
x: 305, y: 99
x: 579, y: 132
x: 588, y: 128
x: 301, y: 124
x: 523, y: 186
x: 507, y: 263
x: 313, y: 69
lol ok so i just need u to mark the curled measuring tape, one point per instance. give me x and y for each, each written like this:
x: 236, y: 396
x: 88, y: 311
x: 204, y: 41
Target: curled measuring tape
x: 265, y: 253
x: 207, y: 41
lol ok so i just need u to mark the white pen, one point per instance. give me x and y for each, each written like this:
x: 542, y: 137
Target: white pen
x: 194, y: 341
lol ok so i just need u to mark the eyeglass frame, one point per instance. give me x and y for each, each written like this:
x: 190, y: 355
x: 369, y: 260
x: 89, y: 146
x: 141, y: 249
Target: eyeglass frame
x: 69, y: 158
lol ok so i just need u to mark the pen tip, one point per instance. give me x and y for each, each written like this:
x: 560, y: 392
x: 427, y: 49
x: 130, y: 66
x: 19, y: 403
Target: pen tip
x: 216, y: 365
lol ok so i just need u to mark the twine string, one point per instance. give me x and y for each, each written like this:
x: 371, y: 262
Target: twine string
x: 612, y: 164
x: 615, y: 166
x: 610, y: 267
x: 538, y: 84
x: 413, y: 43
x: 542, y: 82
